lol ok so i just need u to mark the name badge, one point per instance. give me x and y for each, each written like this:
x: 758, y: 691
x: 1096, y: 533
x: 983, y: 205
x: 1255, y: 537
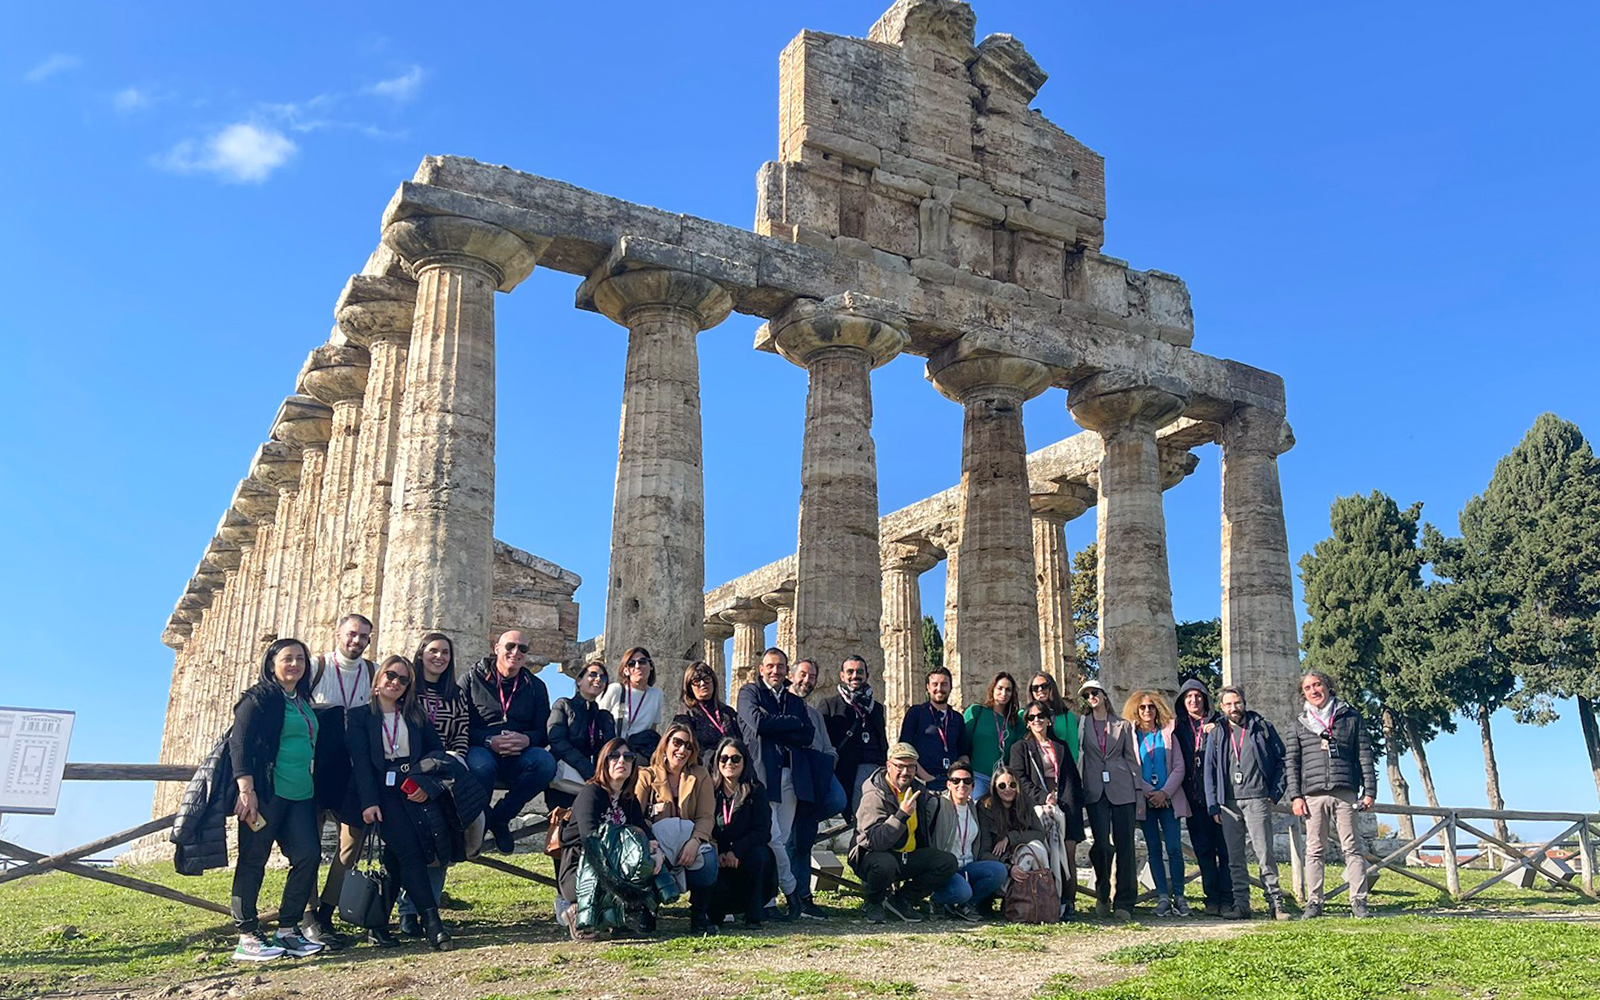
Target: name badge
x: 946, y: 763
x: 866, y: 737
x: 1333, y: 752
x: 388, y: 778
x: 1105, y: 777
x: 1238, y: 777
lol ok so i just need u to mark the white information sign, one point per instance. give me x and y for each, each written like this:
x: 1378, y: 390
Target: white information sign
x: 33, y: 755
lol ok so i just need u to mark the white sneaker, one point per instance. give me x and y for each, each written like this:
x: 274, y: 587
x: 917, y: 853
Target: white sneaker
x: 254, y: 947
x: 294, y: 945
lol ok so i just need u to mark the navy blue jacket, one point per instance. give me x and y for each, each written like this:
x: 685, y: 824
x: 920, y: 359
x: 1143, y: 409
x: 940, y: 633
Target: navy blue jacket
x: 1269, y: 751
x: 770, y: 724
x: 921, y: 729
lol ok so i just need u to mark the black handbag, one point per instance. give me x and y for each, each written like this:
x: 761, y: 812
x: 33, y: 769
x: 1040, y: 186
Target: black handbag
x: 361, y: 899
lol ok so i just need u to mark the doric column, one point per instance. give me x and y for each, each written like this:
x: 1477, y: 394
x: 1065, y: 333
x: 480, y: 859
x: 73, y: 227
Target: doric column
x: 304, y: 423
x: 1259, y: 640
x: 997, y: 597
x: 900, y: 630
x: 782, y: 602
x: 949, y: 541
x: 655, y: 594
x: 276, y: 468
x: 1052, y: 561
x: 337, y: 377
x: 717, y: 633
x: 838, y: 586
x: 749, y: 620
x: 438, y: 569
x: 1138, y: 644
x: 376, y: 313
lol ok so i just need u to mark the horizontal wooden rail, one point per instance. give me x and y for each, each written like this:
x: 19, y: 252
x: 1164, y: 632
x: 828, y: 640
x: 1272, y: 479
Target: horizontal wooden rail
x: 129, y: 772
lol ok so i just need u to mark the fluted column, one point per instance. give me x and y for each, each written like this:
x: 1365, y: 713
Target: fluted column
x: 782, y: 602
x: 1052, y: 560
x: 749, y: 621
x: 717, y: 633
x: 337, y: 377
x: 438, y: 569
x: 838, y: 587
x: 996, y: 596
x: 306, y: 424
x: 376, y: 313
x: 1259, y: 640
x: 900, y: 630
x: 1138, y: 644
x: 655, y: 593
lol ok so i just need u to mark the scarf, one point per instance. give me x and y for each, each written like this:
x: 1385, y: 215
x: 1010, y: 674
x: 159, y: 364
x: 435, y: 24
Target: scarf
x: 861, y: 699
x: 345, y: 663
x: 1322, y: 721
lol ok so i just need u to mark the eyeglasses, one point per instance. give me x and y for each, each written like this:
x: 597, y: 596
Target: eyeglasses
x: 1005, y: 784
x: 1039, y: 687
x: 679, y: 742
x: 958, y: 781
x: 642, y: 661
x: 701, y: 679
x: 626, y: 756
x: 390, y: 675
x: 595, y: 675
x: 730, y: 758
x: 515, y: 647
x: 1147, y: 708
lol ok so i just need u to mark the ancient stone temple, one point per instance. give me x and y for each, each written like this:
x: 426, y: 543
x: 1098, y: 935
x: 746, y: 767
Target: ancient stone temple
x: 917, y: 205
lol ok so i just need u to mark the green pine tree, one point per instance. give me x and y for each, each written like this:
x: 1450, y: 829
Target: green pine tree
x: 1086, y: 609
x: 932, y: 644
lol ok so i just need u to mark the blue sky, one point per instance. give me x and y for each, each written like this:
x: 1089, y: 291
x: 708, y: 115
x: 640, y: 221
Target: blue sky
x: 1392, y: 207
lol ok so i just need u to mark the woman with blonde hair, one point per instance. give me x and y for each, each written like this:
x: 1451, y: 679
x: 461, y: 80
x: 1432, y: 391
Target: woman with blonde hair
x: 1161, y: 765
x: 678, y: 799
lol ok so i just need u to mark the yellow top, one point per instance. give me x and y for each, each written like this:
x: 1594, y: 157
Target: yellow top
x: 911, y: 825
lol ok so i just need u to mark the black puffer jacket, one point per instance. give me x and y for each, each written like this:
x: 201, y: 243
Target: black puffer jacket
x: 1314, y: 771
x: 201, y: 828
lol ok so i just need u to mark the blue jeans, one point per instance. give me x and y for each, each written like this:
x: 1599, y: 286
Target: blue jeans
x: 980, y: 786
x: 1161, y: 830
x: 974, y: 880
x: 706, y: 875
x: 526, y: 775
x: 803, y: 834
x: 436, y: 875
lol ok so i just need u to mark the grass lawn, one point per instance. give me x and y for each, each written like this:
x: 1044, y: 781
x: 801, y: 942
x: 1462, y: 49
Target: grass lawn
x: 60, y: 933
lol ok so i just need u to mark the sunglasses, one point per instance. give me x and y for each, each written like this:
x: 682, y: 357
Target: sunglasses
x: 1038, y: 687
x: 626, y: 756
x: 595, y: 675
x: 1091, y: 693
x: 1038, y: 718
x: 1147, y: 708
x: 730, y: 758
x: 679, y: 742
x: 643, y: 661
x: 390, y: 675
x: 958, y: 781
x: 515, y: 647
x: 1005, y: 784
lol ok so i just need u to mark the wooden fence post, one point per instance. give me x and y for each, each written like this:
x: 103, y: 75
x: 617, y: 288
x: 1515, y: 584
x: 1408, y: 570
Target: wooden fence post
x: 1452, y: 871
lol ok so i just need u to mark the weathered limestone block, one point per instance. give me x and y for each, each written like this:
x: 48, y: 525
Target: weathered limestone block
x: 900, y: 629
x: 1138, y: 644
x: 1260, y: 651
x: 655, y: 591
x: 438, y: 568
x: 997, y: 597
x: 534, y: 595
x: 838, y: 598
x: 1150, y: 303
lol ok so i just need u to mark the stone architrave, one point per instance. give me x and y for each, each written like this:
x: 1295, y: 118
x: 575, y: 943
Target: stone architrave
x: 1260, y: 651
x: 375, y: 312
x: 655, y: 594
x: 838, y: 582
x: 302, y: 423
x: 1052, y: 560
x: 717, y: 632
x: 337, y: 377
x: 900, y: 631
x: 1138, y: 641
x: 782, y: 601
x: 997, y: 596
x: 438, y: 570
x: 749, y: 621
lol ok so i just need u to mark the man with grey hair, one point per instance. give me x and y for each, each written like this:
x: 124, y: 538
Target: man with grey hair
x: 1243, y: 777
x: 1330, y: 780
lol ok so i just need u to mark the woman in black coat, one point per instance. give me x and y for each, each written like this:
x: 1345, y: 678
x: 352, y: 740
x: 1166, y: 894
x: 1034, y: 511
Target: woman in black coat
x: 747, y: 874
x: 607, y: 797
x: 704, y: 713
x: 272, y: 746
x: 1054, y: 788
x: 389, y: 738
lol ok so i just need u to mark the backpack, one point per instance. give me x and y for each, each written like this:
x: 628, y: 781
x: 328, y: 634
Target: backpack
x: 1031, y: 897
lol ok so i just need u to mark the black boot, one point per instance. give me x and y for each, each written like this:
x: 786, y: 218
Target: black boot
x: 379, y: 937
x: 410, y: 925
x: 699, y: 917
x: 330, y: 938
x: 434, y: 927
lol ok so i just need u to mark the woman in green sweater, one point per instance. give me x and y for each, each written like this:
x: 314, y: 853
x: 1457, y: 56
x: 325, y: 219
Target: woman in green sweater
x: 992, y: 728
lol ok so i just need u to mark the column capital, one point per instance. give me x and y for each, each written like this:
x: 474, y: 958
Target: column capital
x: 223, y: 553
x: 778, y: 600
x: 749, y: 612
x: 334, y: 375
x: 809, y: 328
x: 1062, y: 502
x: 999, y: 377
x: 375, y: 307
x: 274, y: 467
x: 617, y: 295
x: 1176, y: 467
x: 717, y: 629
x: 1114, y: 400
x: 303, y: 423
x: 916, y: 556
x: 251, y: 499
x: 426, y: 241
x: 1253, y: 429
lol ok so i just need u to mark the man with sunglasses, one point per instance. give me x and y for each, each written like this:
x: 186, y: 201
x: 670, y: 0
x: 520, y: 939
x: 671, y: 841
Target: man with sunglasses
x: 510, y: 709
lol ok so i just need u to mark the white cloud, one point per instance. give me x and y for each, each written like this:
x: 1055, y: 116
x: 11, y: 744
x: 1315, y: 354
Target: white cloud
x: 131, y: 99
x: 242, y: 153
x: 399, y: 89
x: 58, y: 63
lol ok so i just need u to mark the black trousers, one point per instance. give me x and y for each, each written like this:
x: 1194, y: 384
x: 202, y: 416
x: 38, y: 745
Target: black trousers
x: 744, y: 889
x: 1211, y: 857
x: 404, y: 858
x: 918, y: 874
x: 293, y: 827
x: 1113, y: 835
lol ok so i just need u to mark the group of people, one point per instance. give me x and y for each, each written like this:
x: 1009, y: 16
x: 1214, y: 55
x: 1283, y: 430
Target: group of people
x: 724, y: 802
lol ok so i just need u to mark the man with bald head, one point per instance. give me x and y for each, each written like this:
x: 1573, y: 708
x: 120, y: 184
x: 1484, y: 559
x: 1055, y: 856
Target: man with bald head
x: 509, y: 708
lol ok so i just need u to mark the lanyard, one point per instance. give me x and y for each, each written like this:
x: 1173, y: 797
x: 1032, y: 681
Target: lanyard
x: 1238, y: 744
x: 390, y: 741
x: 727, y: 812
x: 963, y: 824
x: 593, y: 712
x: 721, y: 730
x: 505, y: 702
x: 1000, y: 732
x: 627, y: 692
x: 944, y: 722
x: 1199, y: 733
x: 1148, y: 744
x: 310, y: 733
x: 338, y: 675
x: 1101, y: 735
